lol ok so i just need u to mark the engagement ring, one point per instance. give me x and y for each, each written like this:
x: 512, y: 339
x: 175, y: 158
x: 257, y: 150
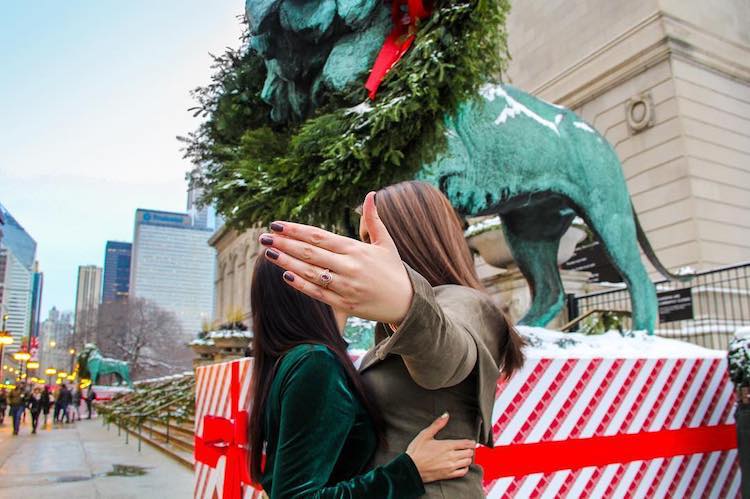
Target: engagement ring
x: 326, y: 278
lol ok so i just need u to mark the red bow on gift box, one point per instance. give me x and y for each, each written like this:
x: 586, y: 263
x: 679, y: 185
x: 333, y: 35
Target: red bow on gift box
x: 398, y: 41
x: 228, y: 438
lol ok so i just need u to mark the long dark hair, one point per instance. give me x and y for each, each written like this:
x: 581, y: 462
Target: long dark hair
x: 282, y: 319
x: 438, y: 250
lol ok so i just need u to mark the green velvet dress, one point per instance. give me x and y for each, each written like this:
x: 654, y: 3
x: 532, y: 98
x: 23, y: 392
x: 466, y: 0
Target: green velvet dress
x: 319, y: 438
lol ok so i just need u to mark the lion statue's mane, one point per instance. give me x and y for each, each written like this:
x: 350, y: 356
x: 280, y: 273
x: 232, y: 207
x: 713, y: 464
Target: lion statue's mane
x: 316, y: 48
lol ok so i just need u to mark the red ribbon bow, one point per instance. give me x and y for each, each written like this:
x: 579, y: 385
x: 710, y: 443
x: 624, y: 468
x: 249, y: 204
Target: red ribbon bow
x: 398, y: 41
x: 228, y: 438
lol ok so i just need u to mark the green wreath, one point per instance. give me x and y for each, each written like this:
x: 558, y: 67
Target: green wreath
x: 255, y: 170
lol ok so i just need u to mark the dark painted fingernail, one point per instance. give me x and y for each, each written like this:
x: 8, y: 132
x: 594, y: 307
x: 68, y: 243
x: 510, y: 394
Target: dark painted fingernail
x: 266, y: 240
x: 289, y: 276
x: 273, y: 255
x: 277, y: 227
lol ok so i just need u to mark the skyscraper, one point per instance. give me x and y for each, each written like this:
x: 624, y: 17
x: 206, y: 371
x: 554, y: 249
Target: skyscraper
x: 16, y: 239
x: 56, y: 333
x: 116, y: 271
x: 172, y: 265
x: 37, y: 284
x: 15, y: 292
x: 88, y: 297
x: 2, y: 223
x: 203, y: 216
x: 17, y: 256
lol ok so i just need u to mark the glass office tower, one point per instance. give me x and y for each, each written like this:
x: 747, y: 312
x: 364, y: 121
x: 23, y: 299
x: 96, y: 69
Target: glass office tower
x: 116, y: 271
x: 173, y: 266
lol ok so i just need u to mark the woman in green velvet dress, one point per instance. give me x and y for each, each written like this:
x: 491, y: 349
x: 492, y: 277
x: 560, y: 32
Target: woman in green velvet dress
x: 313, y: 428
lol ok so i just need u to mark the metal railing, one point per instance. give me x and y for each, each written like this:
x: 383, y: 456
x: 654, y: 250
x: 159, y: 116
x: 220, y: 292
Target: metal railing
x: 132, y: 410
x: 706, y: 310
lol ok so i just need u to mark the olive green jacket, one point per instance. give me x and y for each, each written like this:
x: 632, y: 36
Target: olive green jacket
x: 445, y: 356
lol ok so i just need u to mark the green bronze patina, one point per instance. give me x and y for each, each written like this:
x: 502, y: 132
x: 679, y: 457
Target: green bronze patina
x: 91, y: 364
x: 536, y: 164
x: 539, y: 165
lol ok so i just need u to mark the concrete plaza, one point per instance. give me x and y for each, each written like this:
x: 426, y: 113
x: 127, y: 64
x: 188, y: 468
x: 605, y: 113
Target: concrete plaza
x: 85, y: 460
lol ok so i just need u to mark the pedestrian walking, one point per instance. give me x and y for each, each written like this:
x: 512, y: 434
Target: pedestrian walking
x: 34, y: 403
x: 26, y: 395
x: 75, y: 406
x: 3, y: 404
x: 46, y: 402
x: 17, y: 406
x: 90, y: 397
x: 66, y: 398
x: 58, y: 407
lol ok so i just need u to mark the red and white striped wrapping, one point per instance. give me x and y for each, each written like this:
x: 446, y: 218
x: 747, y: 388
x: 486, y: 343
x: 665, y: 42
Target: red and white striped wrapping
x: 213, y: 397
x: 561, y: 403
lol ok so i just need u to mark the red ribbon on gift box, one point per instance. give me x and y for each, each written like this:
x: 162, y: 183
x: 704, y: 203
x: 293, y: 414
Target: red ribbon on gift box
x: 397, y: 42
x: 575, y: 453
x: 228, y: 438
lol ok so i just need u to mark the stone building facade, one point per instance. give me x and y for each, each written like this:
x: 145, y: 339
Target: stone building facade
x: 667, y: 82
x: 235, y: 257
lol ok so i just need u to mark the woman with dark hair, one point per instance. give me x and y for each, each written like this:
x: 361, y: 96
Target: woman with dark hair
x: 46, y: 403
x: 441, y: 342
x: 314, y: 428
x: 34, y: 403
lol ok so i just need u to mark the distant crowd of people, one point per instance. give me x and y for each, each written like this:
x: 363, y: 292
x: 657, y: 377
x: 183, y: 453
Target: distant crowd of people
x: 63, y: 401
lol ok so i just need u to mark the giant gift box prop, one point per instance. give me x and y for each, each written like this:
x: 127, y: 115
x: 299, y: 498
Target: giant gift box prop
x: 563, y: 427
x: 614, y: 427
x: 222, y: 400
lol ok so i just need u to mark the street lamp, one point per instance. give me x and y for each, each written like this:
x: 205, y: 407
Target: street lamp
x: 32, y: 365
x: 5, y: 339
x: 50, y: 371
x: 72, y: 353
x: 22, y: 357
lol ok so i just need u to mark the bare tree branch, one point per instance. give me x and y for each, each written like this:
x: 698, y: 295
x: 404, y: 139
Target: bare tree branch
x: 149, y: 338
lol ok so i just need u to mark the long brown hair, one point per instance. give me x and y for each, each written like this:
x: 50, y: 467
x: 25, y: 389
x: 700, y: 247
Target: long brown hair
x: 282, y: 319
x: 430, y: 239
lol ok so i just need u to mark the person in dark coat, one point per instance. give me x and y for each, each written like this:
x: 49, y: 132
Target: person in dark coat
x: 58, y: 407
x: 75, y: 406
x: 34, y: 403
x: 17, y: 406
x: 64, y: 399
x: 46, y: 403
x: 90, y: 397
x: 3, y: 404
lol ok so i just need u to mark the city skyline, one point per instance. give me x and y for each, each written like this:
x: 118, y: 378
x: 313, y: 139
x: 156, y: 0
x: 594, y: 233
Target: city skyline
x: 72, y: 181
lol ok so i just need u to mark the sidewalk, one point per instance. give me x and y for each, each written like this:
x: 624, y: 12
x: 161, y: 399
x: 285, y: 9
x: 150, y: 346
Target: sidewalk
x: 74, y: 460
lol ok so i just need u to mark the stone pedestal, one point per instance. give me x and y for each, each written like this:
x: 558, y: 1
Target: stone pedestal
x: 221, y: 346
x: 511, y: 291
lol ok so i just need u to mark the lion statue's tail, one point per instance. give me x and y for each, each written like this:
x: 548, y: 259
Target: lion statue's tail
x: 649, y: 251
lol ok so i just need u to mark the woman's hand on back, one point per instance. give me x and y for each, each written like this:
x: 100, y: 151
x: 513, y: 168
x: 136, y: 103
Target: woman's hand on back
x: 367, y: 280
x: 440, y: 459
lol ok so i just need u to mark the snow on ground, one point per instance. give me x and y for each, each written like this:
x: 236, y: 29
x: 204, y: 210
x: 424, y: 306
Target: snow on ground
x: 545, y: 343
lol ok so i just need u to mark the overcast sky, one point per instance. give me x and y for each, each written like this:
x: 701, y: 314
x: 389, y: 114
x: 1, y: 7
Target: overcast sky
x: 92, y: 95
